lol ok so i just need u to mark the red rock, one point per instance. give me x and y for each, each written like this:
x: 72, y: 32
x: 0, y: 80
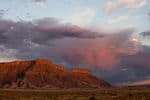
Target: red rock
x: 44, y: 74
x: 82, y: 71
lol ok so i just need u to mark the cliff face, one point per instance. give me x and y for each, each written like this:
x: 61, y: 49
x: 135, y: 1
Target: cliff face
x: 45, y: 74
x: 81, y: 71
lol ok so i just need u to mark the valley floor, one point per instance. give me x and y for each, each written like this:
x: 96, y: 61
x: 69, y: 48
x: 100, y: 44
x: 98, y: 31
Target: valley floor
x: 124, y: 93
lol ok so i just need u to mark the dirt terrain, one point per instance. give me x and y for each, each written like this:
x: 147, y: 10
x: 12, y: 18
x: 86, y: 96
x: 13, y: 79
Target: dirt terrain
x: 134, y: 93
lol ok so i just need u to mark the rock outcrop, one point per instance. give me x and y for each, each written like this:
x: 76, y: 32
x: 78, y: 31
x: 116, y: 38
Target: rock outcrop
x: 82, y: 71
x: 44, y: 74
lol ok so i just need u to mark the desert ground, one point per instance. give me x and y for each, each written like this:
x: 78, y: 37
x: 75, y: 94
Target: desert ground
x: 122, y: 93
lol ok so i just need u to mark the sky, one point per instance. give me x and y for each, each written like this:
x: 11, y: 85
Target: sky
x: 110, y: 37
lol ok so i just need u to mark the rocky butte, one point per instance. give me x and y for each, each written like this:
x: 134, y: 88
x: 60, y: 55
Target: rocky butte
x: 43, y: 73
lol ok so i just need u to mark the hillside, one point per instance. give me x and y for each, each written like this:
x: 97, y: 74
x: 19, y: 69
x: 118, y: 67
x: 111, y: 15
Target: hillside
x: 44, y: 74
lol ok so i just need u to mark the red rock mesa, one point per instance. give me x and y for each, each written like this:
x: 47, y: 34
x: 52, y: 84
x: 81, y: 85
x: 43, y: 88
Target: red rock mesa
x: 44, y: 74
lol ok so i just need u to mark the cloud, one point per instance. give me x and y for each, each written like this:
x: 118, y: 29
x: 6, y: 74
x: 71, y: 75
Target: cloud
x: 27, y: 35
x: 118, y: 19
x: 111, y: 7
x: 39, y: 2
x: 145, y: 34
x: 5, y: 25
x: 141, y: 59
x: 72, y: 44
x: 32, y: 40
x: 82, y: 18
x: 130, y: 69
x: 6, y: 54
x: 124, y: 74
x: 101, y: 53
x: 1, y: 13
x: 52, y: 29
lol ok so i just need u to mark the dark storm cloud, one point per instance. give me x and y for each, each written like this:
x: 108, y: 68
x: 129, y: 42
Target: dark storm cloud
x: 40, y: 32
x: 74, y: 45
x: 145, y: 34
x: 131, y: 68
x: 142, y: 59
x: 78, y: 45
x: 2, y: 38
x: 125, y: 74
x: 59, y: 31
x: 39, y: 35
x: 101, y: 53
x: 5, y: 25
x: 47, y: 21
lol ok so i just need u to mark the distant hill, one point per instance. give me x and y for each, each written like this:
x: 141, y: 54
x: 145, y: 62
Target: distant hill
x: 44, y: 74
x: 145, y: 83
